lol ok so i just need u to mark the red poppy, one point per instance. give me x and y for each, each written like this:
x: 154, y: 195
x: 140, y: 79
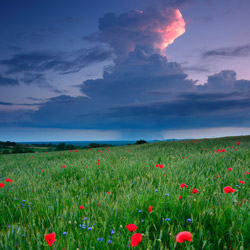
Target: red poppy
x: 1, y: 185
x: 42, y: 170
x: 63, y: 166
x: 136, y: 239
x: 157, y: 165
x: 108, y: 192
x: 232, y: 146
x: 242, y: 182
x: 81, y: 207
x: 98, y: 160
x: 8, y: 180
x: 90, y: 149
x: 180, y: 197
x: 228, y: 190
x: 218, y: 150
x: 223, y: 150
x: 183, y: 185
x: 217, y: 176
x: 230, y: 169
x: 160, y: 166
x: 163, y: 175
x: 70, y: 150
x: 195, y: 191
x: 50, y: 238
x: 204, y: 149
x: 184, y: 236
x: 86, y: 166
x: 150, y: 208
x: 131, y: 227
x: 98, y: 163
x: 238, y: 143
x: 76, y: 150
x: 98, y: 204
x: 182, y: 157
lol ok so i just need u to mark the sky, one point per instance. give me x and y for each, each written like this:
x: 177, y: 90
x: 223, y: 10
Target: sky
x: 124, y: 70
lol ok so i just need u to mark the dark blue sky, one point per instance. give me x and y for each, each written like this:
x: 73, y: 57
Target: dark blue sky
x: 117, y: 70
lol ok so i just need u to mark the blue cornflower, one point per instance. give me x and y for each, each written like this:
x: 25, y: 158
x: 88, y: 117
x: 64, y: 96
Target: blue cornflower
x: 139, y: 211
x: 236, y: 185
x: 142, y: 220
x: 64, y: 233
x: 85, y: 218
x: 189, y: 220
x: 167, y: 219
x: 110, y: 241
x: 23, y: 235
x: 166, y: 194
x: 112, y: 231
x: 89, y: 228
x: 100, y: 239
x: 9, y: 225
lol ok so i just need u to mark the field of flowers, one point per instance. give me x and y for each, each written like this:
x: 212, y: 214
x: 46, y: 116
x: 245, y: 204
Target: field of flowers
x: 169, y: 195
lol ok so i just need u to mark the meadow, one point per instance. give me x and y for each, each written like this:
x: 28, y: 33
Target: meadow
x: 116, y: 186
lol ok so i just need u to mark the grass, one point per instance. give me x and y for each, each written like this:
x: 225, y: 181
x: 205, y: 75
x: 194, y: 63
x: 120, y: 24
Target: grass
x: 37, y: 203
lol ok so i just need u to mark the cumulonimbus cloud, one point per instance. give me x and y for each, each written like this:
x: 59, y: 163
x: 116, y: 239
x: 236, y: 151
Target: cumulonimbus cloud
x: 152, y: 30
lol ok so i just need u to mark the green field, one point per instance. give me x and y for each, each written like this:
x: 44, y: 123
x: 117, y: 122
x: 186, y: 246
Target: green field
x: 37, y: 203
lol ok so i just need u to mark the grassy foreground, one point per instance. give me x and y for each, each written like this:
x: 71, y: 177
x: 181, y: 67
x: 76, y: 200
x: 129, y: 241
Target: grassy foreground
x: 37, y: 203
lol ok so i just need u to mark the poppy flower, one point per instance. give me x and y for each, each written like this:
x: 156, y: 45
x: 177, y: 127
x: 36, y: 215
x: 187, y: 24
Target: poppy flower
x: 98, y: 160
x: 204, y: 149
x: 183, y: 185
x: 238, y: 143
x: 50, y: 238
x: 63, y: 166
x: 242, y: 182
x: 164, y: 175
x: 76, y: 150
x: 8, y: 180
x: 98, y: 204
x: 98, y: 163
x: 1, y: 185
x: 180, y: 197
x: 228, y: 190
x: 195, y: 191
x: 81, y: 207
x: 223, y: 150
x: 136, y: 239
x: 131, y: 227
x: 86, y: 166
x: 90, y: 149
x: 217, y: 176
x: 108, y: 192
x: 182, y: 157
x: 150, y: 208
x: 42, y: 170
x: 160, y: 166
x: 157, y: 165
x: 230, y: 169
x: 184, y: 236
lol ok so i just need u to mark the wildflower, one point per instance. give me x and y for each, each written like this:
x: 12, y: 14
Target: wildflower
x: 180, y: 197
x: 150, y: 208
x: 228, y: 190
x: 81, y: 207
x: 131, y: 227
x: 42, y: 170
x: 230, y: 169
x: 139, y: 211
x: 136, y: 239
x: 110, y: 241
x: 8, y: 180
x: 195, y: 191
x: 217, y: 176
x: 167, y: 219
x: 1, y: 185
x: 63, y: 166
x: 184, y: 236
x: 50, y: 238
x: 183, y: 185
x: 242, y: 182
x: 142, y: 220
x: 112, y: 231
x: 64, y: 233
x: 189, y: 220
x: 156, y: 190
x: 89, y: 228
x: 99, y: 239
x: 238, y: 143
